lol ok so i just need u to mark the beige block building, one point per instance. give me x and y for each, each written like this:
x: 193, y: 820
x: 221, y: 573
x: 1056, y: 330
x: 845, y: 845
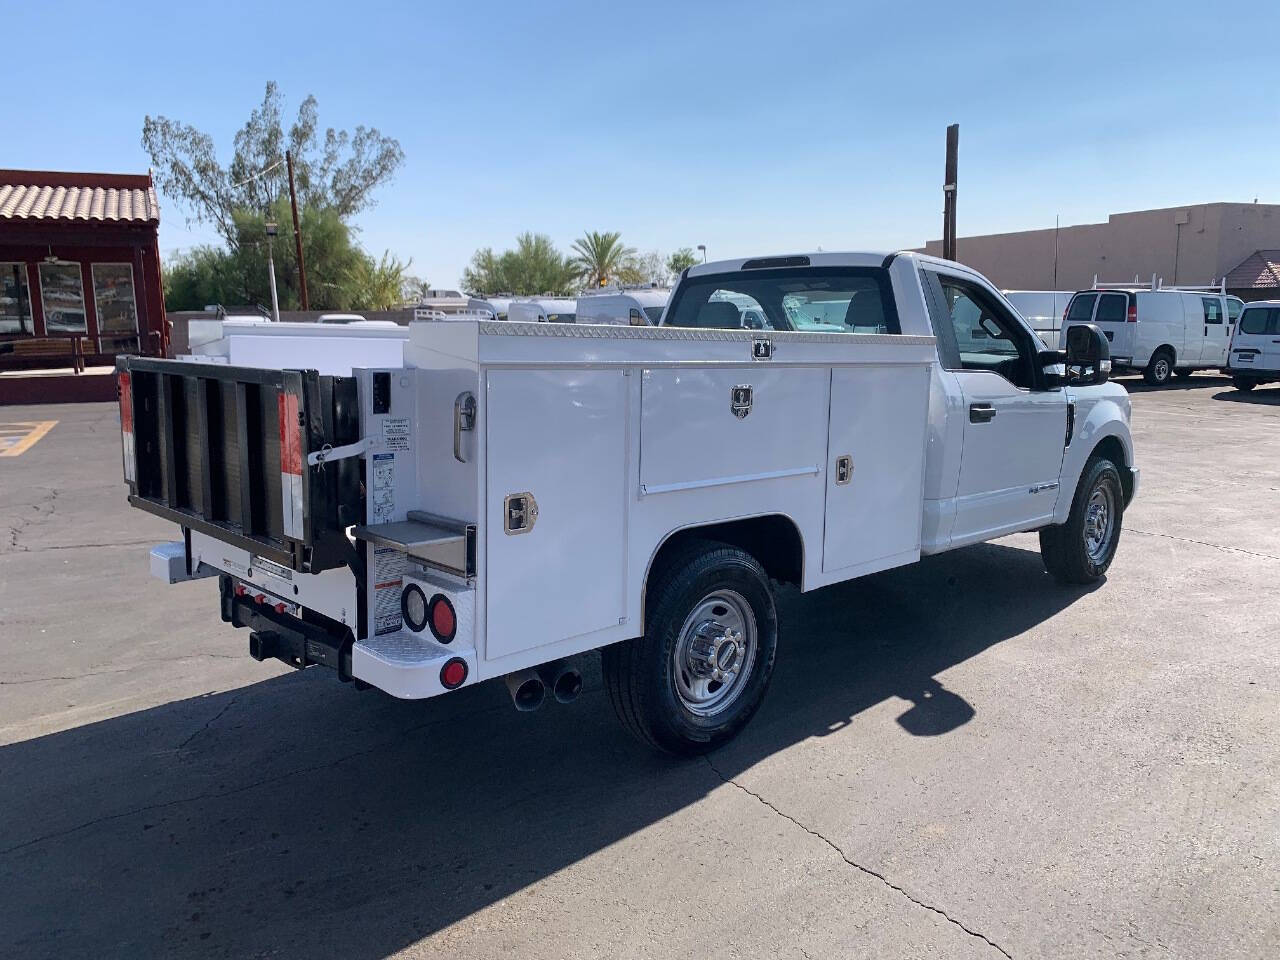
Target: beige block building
x: 1197, y: 244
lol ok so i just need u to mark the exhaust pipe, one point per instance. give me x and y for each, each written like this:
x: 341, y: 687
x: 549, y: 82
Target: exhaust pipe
x: 527, y: 690
x: 563, y: 679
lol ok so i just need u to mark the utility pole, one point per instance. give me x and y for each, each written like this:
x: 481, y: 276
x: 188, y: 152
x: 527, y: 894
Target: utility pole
x: 297, y: 234
x: 949, y: 194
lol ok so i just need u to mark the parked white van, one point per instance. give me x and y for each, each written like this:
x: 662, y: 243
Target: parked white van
x: 1160, y: 330
x: 636, y: 307
x: 1255, y: 348
x: 543, y: 310
x: 1043, y: 310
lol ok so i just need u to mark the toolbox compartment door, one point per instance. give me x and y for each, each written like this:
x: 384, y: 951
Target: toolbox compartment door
x: 223, y: 450
x: 558, y: 439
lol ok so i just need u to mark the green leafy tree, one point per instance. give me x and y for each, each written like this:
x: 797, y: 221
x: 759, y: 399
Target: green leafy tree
x: 534, y: 267
x: 681, y: 260
x: 599, y: 257
x: 338, y: 172
x: 377, y: 284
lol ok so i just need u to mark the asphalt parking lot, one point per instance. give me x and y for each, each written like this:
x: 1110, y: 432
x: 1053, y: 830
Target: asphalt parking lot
x: 956, y: 759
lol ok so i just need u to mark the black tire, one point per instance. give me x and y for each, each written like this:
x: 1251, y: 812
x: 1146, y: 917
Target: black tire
x: 1159, y: 369
x: 1063, y: 547
x: 1243, y: 384
x: 640, y: 674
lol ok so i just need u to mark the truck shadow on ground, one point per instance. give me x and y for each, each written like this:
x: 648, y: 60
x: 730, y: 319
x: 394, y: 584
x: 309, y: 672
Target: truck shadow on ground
x: 1193, y: 382
x: 298, y: 816
x: 1259, y: 395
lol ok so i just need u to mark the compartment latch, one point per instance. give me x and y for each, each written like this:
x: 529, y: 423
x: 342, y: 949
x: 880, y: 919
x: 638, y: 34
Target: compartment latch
x: 519, y: 513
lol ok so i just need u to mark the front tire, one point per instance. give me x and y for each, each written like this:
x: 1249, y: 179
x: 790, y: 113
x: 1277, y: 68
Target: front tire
x: 701, y: 669
x: 1081, y: 550
x: 1243, y: 384
x: 1159, y: 370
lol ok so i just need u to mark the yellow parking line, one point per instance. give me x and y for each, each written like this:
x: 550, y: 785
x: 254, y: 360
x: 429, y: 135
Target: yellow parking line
x: 16, y: 445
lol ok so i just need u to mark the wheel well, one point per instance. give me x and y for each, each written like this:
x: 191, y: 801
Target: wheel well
x: 1113, y: 450
x: 1173, y: 354
x: 773, y: 539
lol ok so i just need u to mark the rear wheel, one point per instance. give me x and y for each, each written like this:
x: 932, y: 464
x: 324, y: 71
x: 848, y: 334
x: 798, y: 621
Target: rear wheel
x: 1081, y: 550
x: 1243, y: 384
x: 702, y: 667
x: 1160, y: 369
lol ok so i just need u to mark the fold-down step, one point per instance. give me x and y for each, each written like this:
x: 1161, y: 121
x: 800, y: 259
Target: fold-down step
x: 439, y: 542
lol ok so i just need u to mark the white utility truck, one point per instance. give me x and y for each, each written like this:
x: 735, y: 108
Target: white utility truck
x: 512, y: 495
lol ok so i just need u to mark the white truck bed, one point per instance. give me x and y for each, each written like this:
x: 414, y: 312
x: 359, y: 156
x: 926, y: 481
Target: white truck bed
x: 622, y: 435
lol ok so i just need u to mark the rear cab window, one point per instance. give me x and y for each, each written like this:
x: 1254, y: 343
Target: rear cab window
x: 807, y: 299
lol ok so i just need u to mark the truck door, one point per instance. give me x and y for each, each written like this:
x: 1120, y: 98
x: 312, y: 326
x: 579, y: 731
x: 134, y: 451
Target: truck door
x: 1215, y: 333
x: 1014, y: 428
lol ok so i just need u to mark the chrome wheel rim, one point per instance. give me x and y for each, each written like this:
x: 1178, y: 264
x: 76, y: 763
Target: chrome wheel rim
x: 1099, y: 522
x: 1162, y: 369
x: 715, y: 653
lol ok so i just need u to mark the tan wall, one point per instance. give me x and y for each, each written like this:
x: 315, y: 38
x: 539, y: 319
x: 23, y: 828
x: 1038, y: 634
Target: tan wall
x: 1215, y: 238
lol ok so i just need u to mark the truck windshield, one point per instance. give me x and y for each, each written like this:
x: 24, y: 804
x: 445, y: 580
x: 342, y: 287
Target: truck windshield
x: 816, y: 299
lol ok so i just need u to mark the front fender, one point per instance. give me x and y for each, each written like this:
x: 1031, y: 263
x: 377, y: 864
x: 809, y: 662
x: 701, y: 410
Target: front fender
x: 1101, y: 413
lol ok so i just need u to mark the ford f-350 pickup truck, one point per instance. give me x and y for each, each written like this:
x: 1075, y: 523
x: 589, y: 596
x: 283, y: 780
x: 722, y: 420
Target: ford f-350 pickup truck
x: 510, y: 496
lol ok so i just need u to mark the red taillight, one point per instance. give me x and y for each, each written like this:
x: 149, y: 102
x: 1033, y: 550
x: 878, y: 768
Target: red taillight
x: 1133, y: 313
x: 291, y: 464
x: 453, y: 674
x: 241, y: 589
x: 124, y: 387
x: 444, y: 622
x: 260, y: 598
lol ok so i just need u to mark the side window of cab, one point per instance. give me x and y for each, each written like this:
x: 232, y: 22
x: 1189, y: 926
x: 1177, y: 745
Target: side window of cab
x: 976, y: 332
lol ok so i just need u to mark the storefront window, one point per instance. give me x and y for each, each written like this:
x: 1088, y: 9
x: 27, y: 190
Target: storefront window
x: 15, y: 299
x: 117, y: 307
x: 62, y: 294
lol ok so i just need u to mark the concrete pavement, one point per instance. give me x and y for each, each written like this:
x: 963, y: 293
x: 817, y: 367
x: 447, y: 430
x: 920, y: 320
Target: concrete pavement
x: 956, y: 759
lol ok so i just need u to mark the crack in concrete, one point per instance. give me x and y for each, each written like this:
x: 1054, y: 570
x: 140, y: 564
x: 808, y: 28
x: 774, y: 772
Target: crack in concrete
x: 857, y: 866
x: 101, y: 673
x: 42, y: 514
x: 1203, y: 543
x: 212, y: 720
x: 89, y: 546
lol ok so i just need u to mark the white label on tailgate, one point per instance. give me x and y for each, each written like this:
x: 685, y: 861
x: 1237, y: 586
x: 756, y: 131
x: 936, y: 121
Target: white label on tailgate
x: 395, y: 433
x: 384, y: 487
x: 388, y: 579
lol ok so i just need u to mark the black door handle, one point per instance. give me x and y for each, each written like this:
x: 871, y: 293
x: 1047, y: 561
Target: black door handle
x: 981, y: 413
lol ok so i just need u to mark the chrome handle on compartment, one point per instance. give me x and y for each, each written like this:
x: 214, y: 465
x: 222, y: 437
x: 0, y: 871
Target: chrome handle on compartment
x: 464, y: 421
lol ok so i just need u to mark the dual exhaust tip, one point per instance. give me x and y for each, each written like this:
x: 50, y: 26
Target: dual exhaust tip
x: 529, y: 688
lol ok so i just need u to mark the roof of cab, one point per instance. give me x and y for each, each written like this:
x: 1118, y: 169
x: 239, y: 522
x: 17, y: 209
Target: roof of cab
x: 823, y: 259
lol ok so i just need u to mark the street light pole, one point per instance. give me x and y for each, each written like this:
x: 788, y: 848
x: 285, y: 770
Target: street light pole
x: 703, y: 248
x: 271, y: 272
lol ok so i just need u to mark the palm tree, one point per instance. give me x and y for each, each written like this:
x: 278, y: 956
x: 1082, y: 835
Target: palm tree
x: 599, y: 255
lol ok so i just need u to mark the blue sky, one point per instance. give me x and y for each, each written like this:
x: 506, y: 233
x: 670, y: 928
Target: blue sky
x: 752, y: 128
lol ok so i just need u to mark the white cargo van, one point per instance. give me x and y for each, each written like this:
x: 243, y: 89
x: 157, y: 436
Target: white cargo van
x: 1159, y: 330
x: 1255, y: 348
x: 1043, y: 309
x: 543, y: 310
x: 636, y: 307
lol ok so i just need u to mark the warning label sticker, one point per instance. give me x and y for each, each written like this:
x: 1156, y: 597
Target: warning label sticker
x: 384, y: 487
x: 388, y: 579
x: 395, y: 433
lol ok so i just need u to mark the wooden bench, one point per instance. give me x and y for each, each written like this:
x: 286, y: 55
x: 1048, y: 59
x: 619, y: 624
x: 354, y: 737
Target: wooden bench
x: 50, y: 347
